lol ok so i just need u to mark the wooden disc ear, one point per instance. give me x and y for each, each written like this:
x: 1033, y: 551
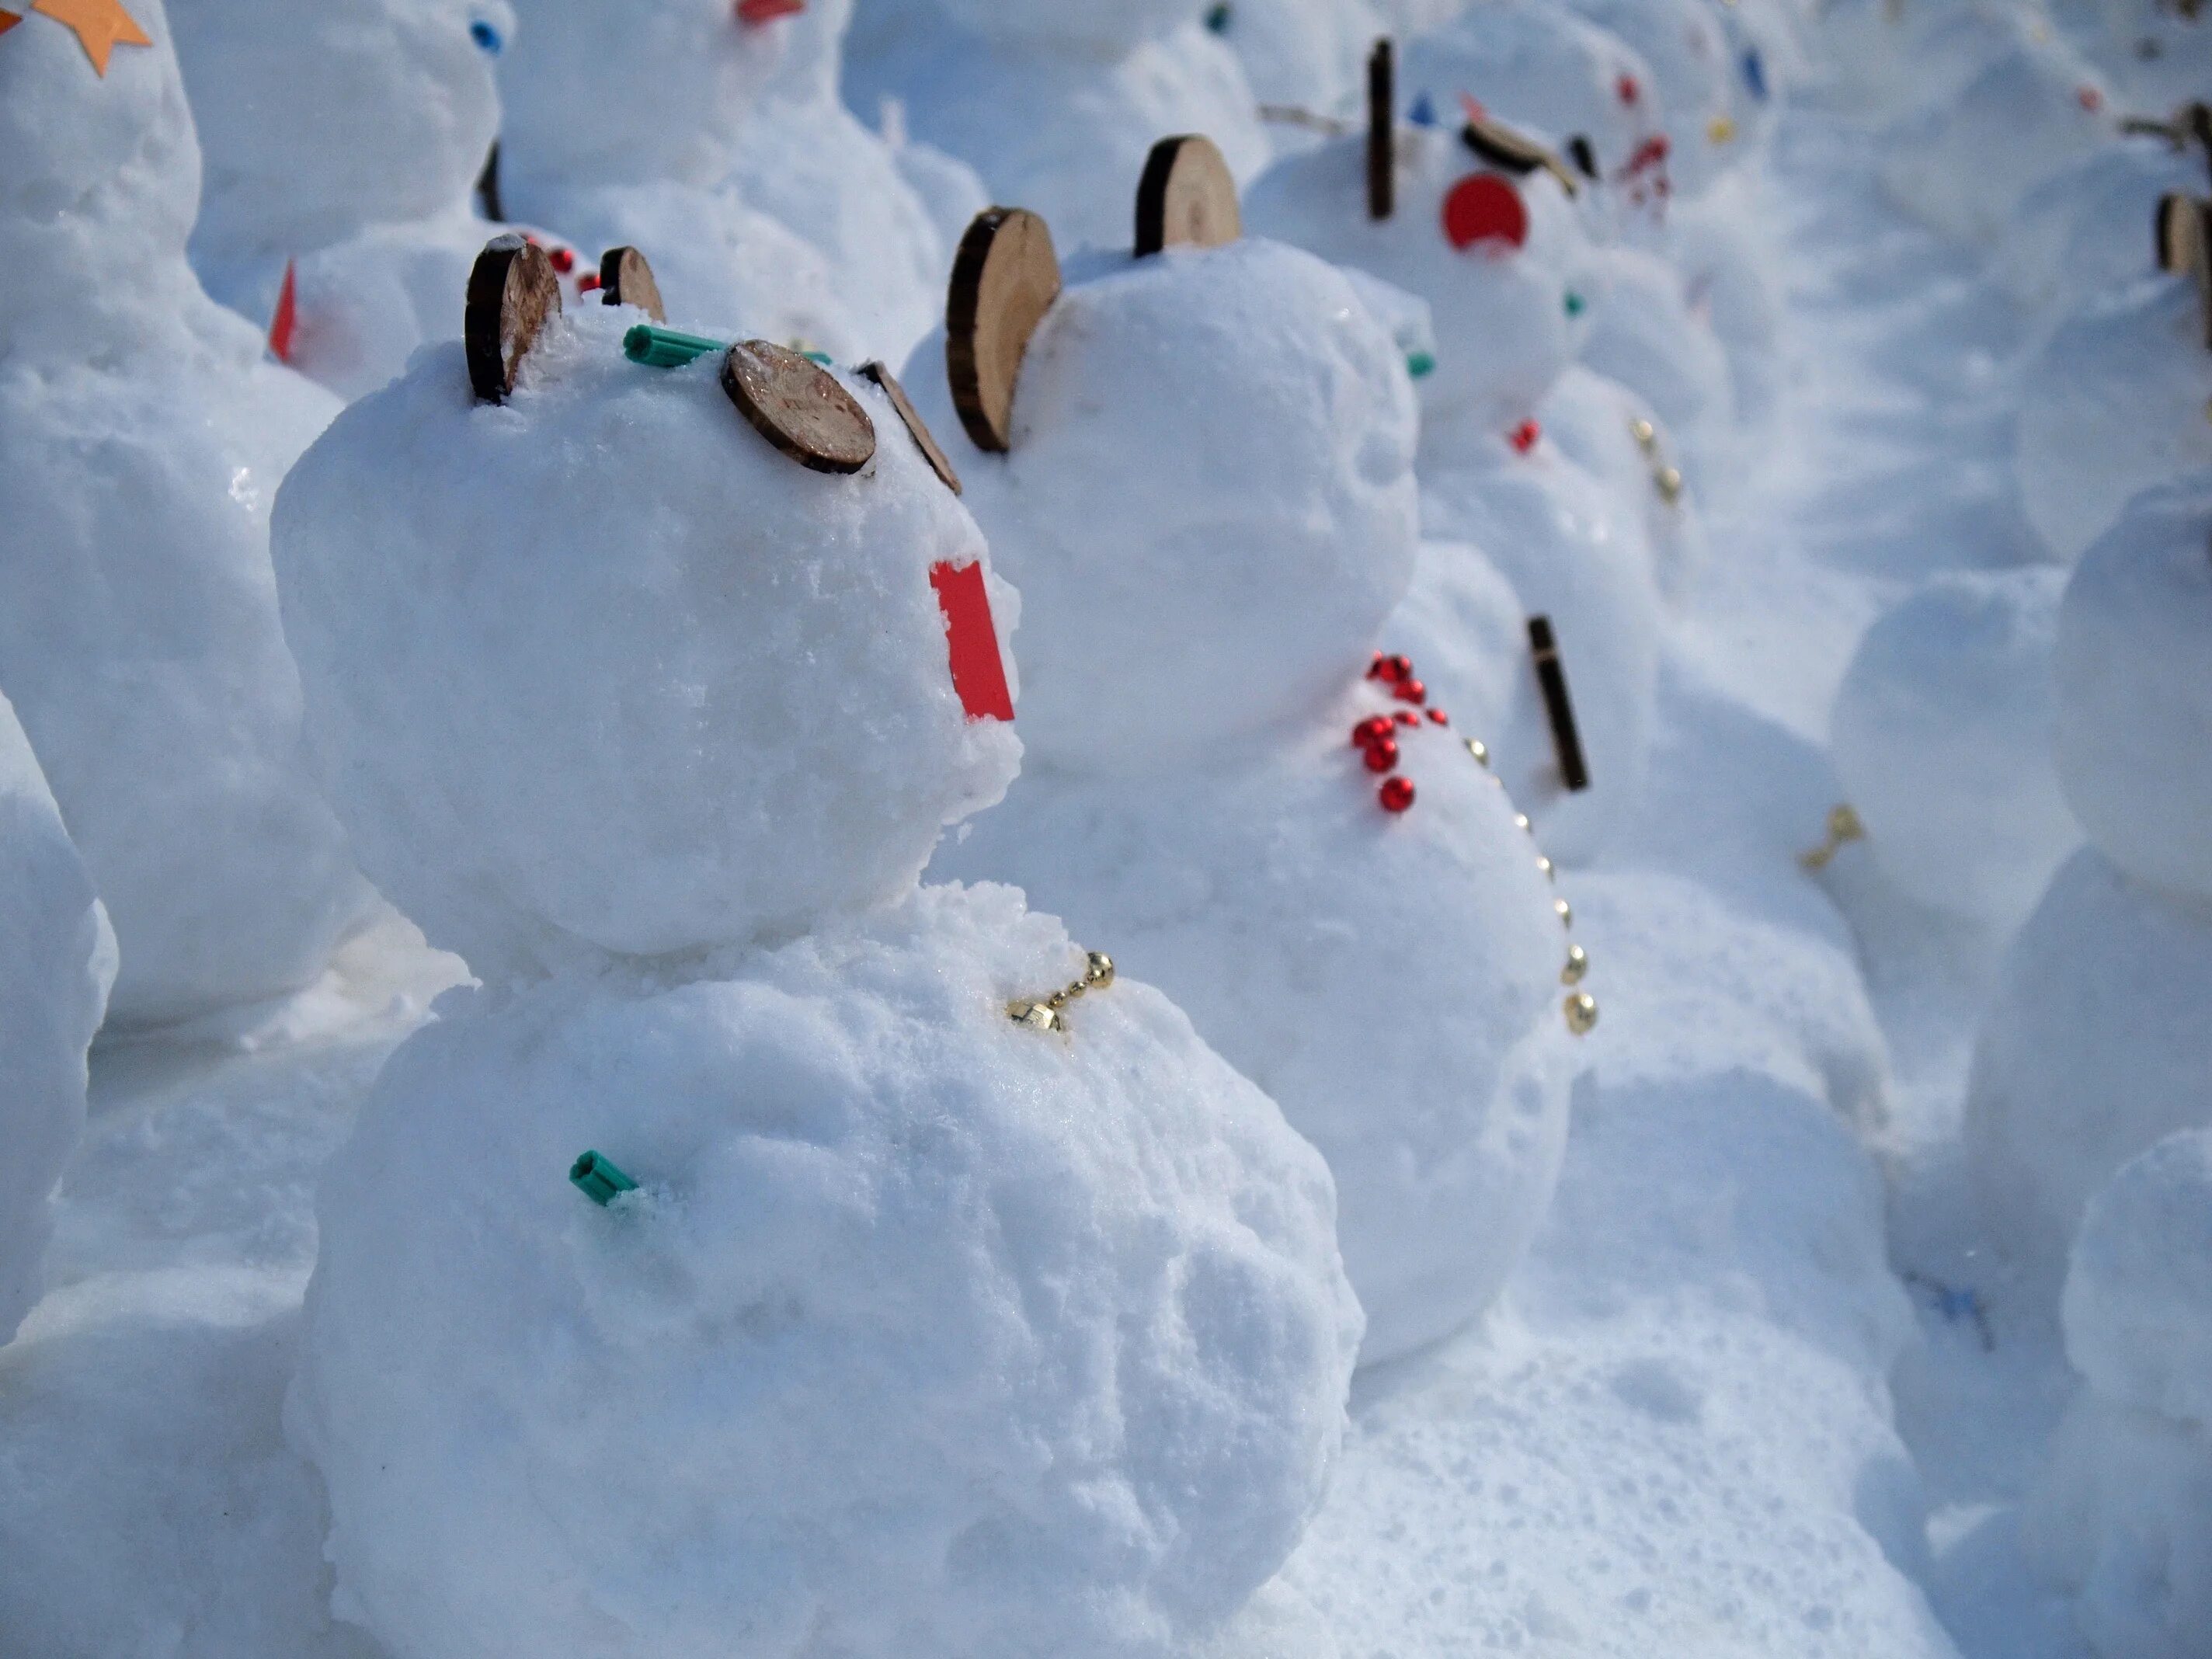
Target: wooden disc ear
x: 511, y: 292
x: 625, y: 279
x: 917, y: 429
x: 2180, y: 234
x: 1188, y: 197
x: 1004, y: 278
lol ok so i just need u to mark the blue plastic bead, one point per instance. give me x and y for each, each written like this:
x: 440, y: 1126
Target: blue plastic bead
x: 486, y: 36
x: 1424, y: 113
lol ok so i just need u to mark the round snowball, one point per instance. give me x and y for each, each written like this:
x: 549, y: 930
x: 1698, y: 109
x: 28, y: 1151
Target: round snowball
x: 601, y: 667
x: 1209, y: 503
x: 2091, y: 1049
x: 2114, y: 404
x: 924, y: 1335
x: 2138, y: 1302
x: 1941, y: 737
x: 1393, y: 981
x: 2134, y: 669
x: 54, y: 977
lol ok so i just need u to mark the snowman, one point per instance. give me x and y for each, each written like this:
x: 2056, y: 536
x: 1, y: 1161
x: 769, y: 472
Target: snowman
x: 1303, y: 58
x: 338, y: 205
x: 1942, y: 736
x: 2122, y: 1516
x: 53, y: 990
x: 852, y: 1265
x: 1962, y: 161
x: 1477, y: 221
x: 1694, y: 76
x: 705, y: 114
x: 141, y: 438
x: 1288, y: 833
x: 1057, y: 105
x: 2091, y: 1047
x: 2157, y: 49
x: 2119, y: 397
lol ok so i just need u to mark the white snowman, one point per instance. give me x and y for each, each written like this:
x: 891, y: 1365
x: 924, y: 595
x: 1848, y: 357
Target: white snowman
x: 142, y: 436
x: 850, y: 1266
x: 343, y: 143
x: 1942, y: 734
x: 53, y: 990
x: 1285, y: 831
x: 1479, y: 224
x: 1056, y: 105
x: 2090, y: 1048
x: 2121, y: 1516
x: 2119, y: 397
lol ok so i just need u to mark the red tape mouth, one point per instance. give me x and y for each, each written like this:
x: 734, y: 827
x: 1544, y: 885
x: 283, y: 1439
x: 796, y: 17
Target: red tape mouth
x: 978, y: 673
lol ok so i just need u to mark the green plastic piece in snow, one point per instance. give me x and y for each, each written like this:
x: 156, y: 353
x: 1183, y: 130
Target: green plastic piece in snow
x: 1419, y: 363
x: 664, y: 348
x: 598, y: 1180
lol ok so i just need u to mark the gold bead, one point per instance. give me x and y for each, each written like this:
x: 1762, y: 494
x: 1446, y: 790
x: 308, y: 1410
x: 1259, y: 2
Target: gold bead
x: 1098, y: 970
x: 1545, y: 865
x: 1844, y: 823
x: 1577, y: 965
x: 1521, y: 820
x: 1038, y: 1016
x: 1566, y: 913
x: 1644, y: 432
x: 1582, y: 1014
x: 1668, y: 480
x: 1479, y: 749
x: 1720, y: 129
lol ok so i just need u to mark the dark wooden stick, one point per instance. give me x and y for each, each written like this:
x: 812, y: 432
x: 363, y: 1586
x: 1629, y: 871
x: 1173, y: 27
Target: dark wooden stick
x: 1551, y: 678
x: 1382, y: 131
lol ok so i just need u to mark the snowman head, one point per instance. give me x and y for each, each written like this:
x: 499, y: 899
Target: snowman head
x: 319, y: 119
x: 1474, y: 218
x: 650, y: 90
x: 602, y: 656
x: 1200, y: 456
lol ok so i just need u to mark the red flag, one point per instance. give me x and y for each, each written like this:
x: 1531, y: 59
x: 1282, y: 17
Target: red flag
x: 978, y: 674
x: 286, y: 322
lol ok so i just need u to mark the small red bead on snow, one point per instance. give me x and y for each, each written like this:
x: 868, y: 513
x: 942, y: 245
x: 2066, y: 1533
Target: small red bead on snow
x: 587, y: 283
x: 2091, y: 99
x: 1373, y: 729
x: 1407, y: 717
x: 1383, y: 756
x: 1394, y: 669
x: 1437, y: 717
x: 1524, y: 436
x: 1374, y: 666
x: 1628, y: 90
x: 1410, y: 691
x: 1396, y: 793
x: 562, y: 259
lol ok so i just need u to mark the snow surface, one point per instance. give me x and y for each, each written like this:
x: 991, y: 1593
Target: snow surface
x: 1767, y: 1379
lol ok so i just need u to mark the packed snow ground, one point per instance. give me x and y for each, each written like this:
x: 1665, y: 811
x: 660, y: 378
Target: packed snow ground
x: 1755, y: 1392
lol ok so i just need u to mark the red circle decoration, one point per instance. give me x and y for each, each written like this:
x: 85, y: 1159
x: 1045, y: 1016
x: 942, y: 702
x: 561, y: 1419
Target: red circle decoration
x: 1485, y: 208
x: 1396, y: 795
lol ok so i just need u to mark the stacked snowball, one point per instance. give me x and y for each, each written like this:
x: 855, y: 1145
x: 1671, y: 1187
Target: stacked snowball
x: 141, y: 438
x: 2091, y: 1049
x: 53, y: 989
x: 924, y: 1332
x: 2123, y: 1515
x: 1199, y: 648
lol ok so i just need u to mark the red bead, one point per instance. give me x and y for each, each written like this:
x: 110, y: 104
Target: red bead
x: 1373, y: 729
x: 1396, y: 795
x: 1437, y: 717
x: 1374, y: 666
x: 2092, y: 99
x: 1393, y: 669
x: 561, y: 260
x: 1628, y: 91
x: 1525, y: 435
x: 1407, y: 717
x: 1410, y: 691
x: 587, y: 283
x: 1381, y: 756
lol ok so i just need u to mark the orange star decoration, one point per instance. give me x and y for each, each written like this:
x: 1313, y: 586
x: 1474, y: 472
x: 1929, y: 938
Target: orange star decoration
x: 100, y: 25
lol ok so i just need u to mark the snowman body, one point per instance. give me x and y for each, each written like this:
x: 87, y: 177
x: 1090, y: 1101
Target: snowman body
x: 1055, y: 106
x: 2087, y: 1052
x: 2083, y: 233
x: 1200, y: 649
x: 142, y: 437
x: 53, y: 990
x: 349, y: 163
x: 923, y: 1331
x: 2118, y: 400
x: 2121, y: 1516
